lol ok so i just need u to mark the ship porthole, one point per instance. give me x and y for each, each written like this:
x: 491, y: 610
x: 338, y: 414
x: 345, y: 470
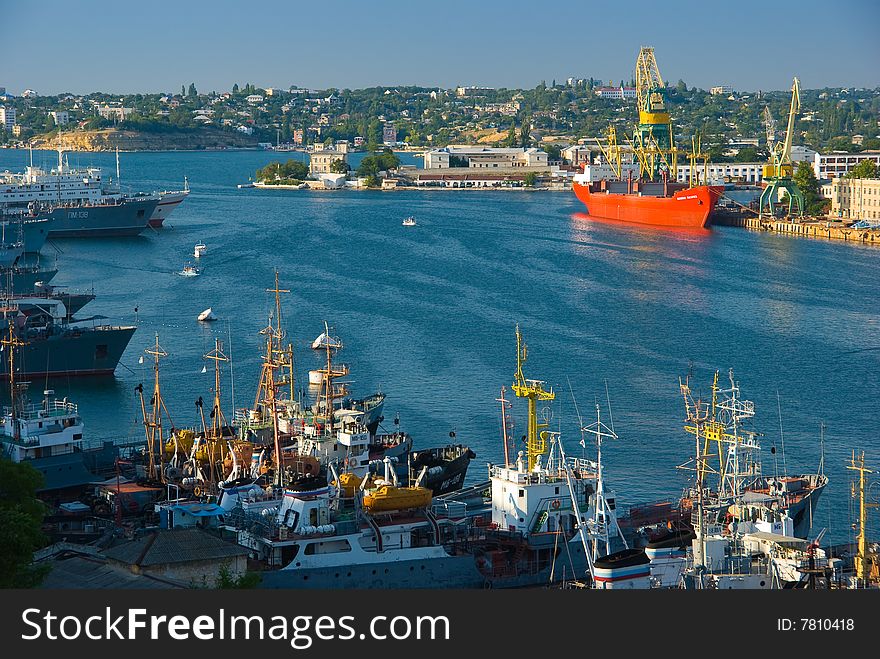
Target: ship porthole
x: 763, y: 584
x: 386, y: 570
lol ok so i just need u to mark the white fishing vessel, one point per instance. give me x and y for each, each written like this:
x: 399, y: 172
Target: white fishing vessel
x: 409, y: 222
x: 189, y: 270
x: 199, y: 250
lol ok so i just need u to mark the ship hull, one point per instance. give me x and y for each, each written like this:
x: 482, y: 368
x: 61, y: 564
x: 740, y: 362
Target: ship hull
x: 459, y: 571
x: 168, y: 202
x: 117, y: 220
x: 688, y: 209
x: 89, y: 352
x: 75, y: 469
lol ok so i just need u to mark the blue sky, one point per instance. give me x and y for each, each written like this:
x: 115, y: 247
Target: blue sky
x: 157, y: 45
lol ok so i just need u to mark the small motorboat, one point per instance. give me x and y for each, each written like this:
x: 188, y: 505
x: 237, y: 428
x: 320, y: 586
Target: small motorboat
x: 409, y: 222
x: 189, y: 271
x: 199, y: 250
x: 207, y: 315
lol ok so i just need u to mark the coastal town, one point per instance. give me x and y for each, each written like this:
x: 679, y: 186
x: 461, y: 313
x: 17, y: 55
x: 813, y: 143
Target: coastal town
x: 471, y: 137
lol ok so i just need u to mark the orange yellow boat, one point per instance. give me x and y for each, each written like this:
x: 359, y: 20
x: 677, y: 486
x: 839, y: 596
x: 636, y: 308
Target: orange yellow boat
x: 648, y: 203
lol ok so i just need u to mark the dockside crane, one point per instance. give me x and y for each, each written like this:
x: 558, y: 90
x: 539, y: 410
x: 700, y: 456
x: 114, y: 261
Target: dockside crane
x: 778, y: 172
x: 653, y: 140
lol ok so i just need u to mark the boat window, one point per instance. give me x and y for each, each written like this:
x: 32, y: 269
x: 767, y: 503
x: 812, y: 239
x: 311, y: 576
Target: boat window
x: 328, y: 547
x: 522, y: 493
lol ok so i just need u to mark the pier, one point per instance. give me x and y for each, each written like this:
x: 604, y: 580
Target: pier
x: 806, y: 228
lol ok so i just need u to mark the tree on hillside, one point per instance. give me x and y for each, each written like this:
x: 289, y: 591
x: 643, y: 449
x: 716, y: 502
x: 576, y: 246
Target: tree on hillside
x: 235, y: 88
x: 510, y: 140
x: 21, y: 515
x: 865, y: 169
x: 192, y: 93
x: 183, y: 90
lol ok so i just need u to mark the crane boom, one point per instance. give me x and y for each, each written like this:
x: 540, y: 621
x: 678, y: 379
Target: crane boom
x: 792, y: 114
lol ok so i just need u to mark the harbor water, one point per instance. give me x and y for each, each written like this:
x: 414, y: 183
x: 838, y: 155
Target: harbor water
x: 427, y: 315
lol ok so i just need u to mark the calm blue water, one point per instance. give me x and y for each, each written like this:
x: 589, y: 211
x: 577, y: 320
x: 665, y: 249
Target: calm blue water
x: 428, y: 314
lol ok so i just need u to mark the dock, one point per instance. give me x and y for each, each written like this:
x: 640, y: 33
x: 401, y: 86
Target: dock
x: 805, y: 228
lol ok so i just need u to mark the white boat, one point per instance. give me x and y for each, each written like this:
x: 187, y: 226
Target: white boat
x: 409, y: 222
x: 199, y: 249
x: 189, y: 271
x: 316, y: 377
x: 207, y: 315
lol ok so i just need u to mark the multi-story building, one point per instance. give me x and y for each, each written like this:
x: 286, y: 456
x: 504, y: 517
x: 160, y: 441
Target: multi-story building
x: 802, y: 154
x: 472, y: 91
x: 615, y: 93
x: 835, y: 165
x: 254, y: 99
x: 721, y: 90
x: 60, y: 117
x: 113, y: 112
x: 7, y: 118
x: 485, y: 157
x: 855, y: 199
x: 745, y: 172
x: 320, y: 161
x: 389, y: 134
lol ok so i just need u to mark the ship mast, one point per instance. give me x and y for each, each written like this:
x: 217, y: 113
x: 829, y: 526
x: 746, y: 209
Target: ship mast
x: 276, y: 335
x: 533, y: 391
x: 12, y: 342
x: 506, y: 425
x: 218, y: 421
x: 863, y: 563
x: 153, y: 422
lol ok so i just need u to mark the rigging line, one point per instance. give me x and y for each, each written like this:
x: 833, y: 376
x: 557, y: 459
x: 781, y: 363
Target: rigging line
x: 608, y: 398
x: 781, y: 435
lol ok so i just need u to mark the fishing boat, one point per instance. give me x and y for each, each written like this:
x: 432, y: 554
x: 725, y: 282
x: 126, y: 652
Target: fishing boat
x: 49, y: 435
x: 207, y: 315
x: 199, y: 250
x: 409, y: 222
x: 189, y: 270
x: 542, y: 517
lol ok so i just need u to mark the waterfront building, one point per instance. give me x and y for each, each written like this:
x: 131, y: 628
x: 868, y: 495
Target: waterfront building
x: 16, y: 130
x: 615, y: 93
x: 297, y: 135
x: 721, y: 90
x: 838, y: 163
x: 485, y: 157
x: 855, y: 199
x: 60, y: 117
x: 7, y: 118
x: 320, y: 161
x: 745, y: 172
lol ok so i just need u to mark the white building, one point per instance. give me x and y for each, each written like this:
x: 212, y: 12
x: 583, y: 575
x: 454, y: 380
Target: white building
x: 472, y: 91
x: 615, y: 93
x: 60, y: 117
x: 117, y: 113
x: 576, y: 154
x: 746, y: 172
x: 721, y: 90
x: 835, y: 165
x: 802, y: 154
x: 254, y: 99
x: 604, y: 172
x: 7, y: 118
x: 474, y: 157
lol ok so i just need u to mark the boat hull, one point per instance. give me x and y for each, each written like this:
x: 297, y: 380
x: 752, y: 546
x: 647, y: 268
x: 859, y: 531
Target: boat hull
x: 92, y: 351
x: 688, y: 209
x: 168, y: 202
x: 115, y: 220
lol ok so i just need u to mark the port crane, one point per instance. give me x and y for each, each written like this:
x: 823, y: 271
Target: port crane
x: 653, y: 141
x: 777, y: 174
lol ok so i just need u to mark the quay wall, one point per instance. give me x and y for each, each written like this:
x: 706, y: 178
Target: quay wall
x: 805, y: 229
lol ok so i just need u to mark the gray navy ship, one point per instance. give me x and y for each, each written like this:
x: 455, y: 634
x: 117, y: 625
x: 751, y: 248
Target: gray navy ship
x: 74, y: 203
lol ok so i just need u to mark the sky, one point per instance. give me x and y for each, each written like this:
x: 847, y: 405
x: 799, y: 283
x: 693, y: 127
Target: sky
x: 81, y: 46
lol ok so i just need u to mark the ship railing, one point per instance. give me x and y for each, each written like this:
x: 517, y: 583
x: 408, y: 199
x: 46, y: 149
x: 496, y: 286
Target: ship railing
x: 582, y: 464
x: 48, y: 409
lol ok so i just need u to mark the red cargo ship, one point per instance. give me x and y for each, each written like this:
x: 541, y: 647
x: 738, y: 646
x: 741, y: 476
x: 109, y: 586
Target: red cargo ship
x: 659, y: 204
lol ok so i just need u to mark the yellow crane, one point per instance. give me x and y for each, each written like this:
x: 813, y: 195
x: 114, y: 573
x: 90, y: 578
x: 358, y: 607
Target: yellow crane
x: 533, y: 391
x: 778, y: 172
x: 653, y: 140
